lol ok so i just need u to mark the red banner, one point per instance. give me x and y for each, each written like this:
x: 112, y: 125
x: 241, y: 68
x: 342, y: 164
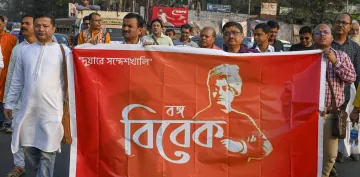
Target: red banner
x: 172, y: 17
x: 167, y: 111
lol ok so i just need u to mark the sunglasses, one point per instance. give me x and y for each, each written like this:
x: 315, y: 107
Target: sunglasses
x: 306, y: 38
x: 321, y: 32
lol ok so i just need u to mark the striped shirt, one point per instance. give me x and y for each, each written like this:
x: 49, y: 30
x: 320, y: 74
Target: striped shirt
x: 341, y: 73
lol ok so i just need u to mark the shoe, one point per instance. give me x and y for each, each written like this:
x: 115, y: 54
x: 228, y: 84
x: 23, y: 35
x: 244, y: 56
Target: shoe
x: 2, y: 126
x: 16, y: 172
x: 333, y: 173
x: 355, y: 157
x: 8, y: 128
x: 340, y: 158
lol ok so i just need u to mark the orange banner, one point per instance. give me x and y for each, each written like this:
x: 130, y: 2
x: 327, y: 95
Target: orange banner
x: 168, y: 111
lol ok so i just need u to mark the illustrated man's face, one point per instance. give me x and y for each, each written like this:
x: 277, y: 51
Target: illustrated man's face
x: 221, y: 93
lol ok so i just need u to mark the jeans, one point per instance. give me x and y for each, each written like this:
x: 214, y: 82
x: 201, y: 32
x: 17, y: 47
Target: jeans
x: 43, y: 162
x: 2, y: 115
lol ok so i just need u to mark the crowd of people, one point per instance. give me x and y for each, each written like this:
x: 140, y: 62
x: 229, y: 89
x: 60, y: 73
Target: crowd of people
x: 32, y: 83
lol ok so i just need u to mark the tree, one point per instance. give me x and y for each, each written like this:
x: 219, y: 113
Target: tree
x: 319, y: 11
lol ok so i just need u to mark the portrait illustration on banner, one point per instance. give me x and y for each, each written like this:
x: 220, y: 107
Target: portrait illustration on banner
x: 217, y: 129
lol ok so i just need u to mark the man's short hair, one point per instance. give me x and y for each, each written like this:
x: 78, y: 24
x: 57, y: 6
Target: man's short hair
x: 210, y: 28
x: 231, y: 24
x: 138, y: 18
x: 93, y: 14
x: 305, y: 29
x: 345, y: 13
x: 27, y: 15
x: 273, y: 24
x: 2, y: 18
x: 86, y: 18
x: 186, y: 26
x: 228, y: 72
x: 170, y: 30
x: 52, y: 18
x: 265, y: 28
x: 157, y: 20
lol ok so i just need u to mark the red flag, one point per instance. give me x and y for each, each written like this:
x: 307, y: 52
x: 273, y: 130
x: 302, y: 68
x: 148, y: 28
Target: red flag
x: 168, y: 111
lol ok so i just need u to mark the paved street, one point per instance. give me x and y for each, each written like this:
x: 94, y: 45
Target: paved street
x: 347, y: 169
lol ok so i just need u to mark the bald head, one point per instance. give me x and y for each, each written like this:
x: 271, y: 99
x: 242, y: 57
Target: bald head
x: 322, y: 36
x: 207, y: 37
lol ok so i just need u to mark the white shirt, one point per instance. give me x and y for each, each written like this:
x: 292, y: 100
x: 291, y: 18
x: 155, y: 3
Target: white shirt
x: 38, y: 73
x: 14, y: 54
x: 1, y: 59
x: 269, y: 49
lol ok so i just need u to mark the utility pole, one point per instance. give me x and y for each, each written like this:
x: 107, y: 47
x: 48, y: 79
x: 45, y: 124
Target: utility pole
x: 249, y: 7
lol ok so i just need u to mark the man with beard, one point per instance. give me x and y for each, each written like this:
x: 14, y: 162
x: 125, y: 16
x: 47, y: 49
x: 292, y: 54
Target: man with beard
x: 132, y: 28
x: 94, y: 35
x: 277, y: 44
x: 341, y: 29
x: 7, y: 43
x: 207, y: 38
x: 39, y: 75
x: 354, y: 33
x: 306, y: 41
x: 185, y: 37
x: 27, y: 30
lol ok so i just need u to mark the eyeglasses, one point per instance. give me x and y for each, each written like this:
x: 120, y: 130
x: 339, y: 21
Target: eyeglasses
x: 321, y: 32
x: 306, y: 38
x: 235, y: 33
x: 342, y: 23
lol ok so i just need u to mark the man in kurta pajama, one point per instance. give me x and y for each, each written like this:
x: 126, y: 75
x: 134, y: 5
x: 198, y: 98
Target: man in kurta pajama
x: 7, y: 43
x: 38, y: 75
x: 27, y: 30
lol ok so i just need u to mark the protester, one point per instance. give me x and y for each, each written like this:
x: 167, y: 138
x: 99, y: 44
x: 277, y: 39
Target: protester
x: 132, y: 28
x: 306, y: 41
x: 84, y: 5
x: 38, y: 74
x: 354, y: 33
x: 94, y: 35
x: 233, y: 34
x: 207, y: 38
x: 157, y: 37
x: 84, y: 26
x: 277, y: 44
x: 340, y: 72
x: 27, y: 30
x: 261, y: 36
x: 185, y: 37
x: 8, y: 42
x: 143, y: 29
x: 171, y: 34
x: 341, y: 29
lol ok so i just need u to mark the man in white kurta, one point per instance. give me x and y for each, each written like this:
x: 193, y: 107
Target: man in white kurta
x: 38, y: 74
x: 27, y: 30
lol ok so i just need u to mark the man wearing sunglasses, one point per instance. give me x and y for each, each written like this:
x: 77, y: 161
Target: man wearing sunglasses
x: 342, y: 42
x: 306, y: 41
x: 84, y: 26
